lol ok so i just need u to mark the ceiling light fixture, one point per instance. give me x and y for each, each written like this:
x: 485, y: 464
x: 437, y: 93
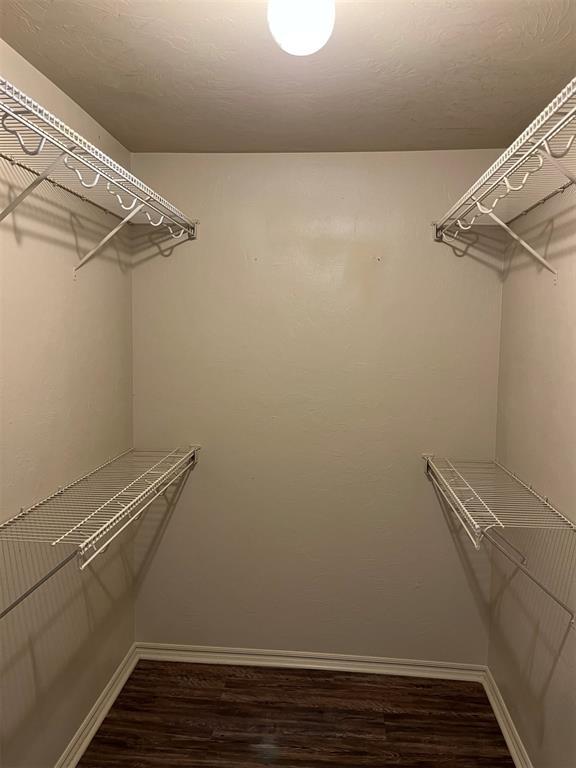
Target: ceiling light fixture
x: 301, y: 27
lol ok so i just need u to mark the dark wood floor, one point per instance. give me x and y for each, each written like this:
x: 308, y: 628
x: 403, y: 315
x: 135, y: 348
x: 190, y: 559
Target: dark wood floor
x: 182, y: 715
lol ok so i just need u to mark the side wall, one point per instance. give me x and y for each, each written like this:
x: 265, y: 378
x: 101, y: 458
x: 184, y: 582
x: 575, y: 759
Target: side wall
x: 65, y: 406
x: 315, y: 341
x: 532, y: 651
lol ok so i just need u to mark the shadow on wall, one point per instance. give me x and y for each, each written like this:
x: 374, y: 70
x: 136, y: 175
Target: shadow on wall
x: 545, y: 236
x: 547, y: 634
x: 487, y: 245
x: 464, y: 548
x: 53, y: 641
x: 50, y: 213
x: 58, y: 636
x: 147, y: 244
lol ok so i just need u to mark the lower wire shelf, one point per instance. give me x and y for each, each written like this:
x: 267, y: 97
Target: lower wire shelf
x: 82, y: 519
x: 487, y: 498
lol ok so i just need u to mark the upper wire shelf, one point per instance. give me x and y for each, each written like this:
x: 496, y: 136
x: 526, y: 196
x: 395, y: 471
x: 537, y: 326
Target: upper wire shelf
x: 83, y: 518
x: 538, y: 165
x: 36, y: 140
x: 487, y: 498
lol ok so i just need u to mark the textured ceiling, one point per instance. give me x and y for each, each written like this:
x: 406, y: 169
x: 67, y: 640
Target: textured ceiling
x: 187, y: 76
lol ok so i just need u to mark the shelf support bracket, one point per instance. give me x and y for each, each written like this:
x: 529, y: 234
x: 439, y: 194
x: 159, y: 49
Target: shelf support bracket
x: 547, y: 155
x: 90, y: 255
x: 30, y: 188
x: 521, y: 567
x: 39, y: 583
x: 522, y: 557
x: 527, y: 247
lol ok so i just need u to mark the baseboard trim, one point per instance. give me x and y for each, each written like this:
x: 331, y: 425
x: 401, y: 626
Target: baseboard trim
x: 197, y: 654
x: 93, y: 720
x: 506, y: 723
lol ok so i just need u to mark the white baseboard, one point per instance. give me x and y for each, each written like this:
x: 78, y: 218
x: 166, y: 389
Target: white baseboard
x: 199, y: 654
x: 93, y: 720
x: 513, y: 740
x: 265, y: 658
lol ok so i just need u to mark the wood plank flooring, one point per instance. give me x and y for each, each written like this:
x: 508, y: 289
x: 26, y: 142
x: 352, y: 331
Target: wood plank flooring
x: 183, y: 715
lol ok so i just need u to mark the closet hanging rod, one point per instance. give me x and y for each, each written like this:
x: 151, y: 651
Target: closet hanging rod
x: 69, y: 191
x: 532, y: 169
x: 34, y: 139
x: 487, y: 498
x: 73, y: 151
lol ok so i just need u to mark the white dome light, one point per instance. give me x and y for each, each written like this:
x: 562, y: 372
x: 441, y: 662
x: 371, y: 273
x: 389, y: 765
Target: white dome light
x: 301, y: 27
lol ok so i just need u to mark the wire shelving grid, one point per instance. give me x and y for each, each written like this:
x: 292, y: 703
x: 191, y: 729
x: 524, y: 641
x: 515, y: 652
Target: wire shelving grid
x: 487, y: 498
x: 90, y: 512
x: 34, y: 139
x: 538, y: 165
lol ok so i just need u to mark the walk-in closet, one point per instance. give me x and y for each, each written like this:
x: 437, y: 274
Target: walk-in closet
x: 288, y: 383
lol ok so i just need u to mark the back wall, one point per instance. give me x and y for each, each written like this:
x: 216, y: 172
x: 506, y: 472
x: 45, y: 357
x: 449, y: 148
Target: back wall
x: 315, y: 341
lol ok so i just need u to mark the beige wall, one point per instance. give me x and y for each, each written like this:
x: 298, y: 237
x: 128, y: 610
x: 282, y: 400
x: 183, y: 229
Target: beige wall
x: 315, y: 341
x: 65, y: 346
x: 532, y: 651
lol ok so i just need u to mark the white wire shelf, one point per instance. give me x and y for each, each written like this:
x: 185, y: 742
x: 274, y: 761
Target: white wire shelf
x: 487, y: 498
x: 34, y: 139
x: 83, y: 518
x: 538, y: 165
x: 486, y: 495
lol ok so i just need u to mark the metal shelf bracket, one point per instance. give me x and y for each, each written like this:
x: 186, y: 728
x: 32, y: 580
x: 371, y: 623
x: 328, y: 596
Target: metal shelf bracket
x: 31, y: 187
x: 527, y: 247
x: 106, y: 239
x: 521, y: 565
x: 555, y: 157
